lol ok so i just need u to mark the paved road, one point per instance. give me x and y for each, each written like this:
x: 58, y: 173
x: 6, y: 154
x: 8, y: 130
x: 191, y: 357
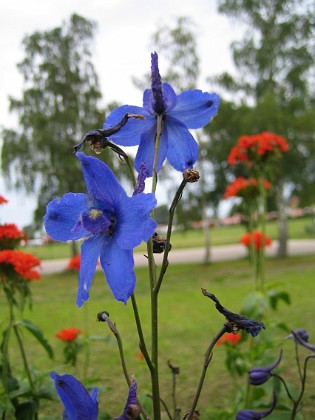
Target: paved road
x: 218, y: 253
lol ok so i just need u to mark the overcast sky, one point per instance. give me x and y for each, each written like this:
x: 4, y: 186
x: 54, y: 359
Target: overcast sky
x: 122, y: 50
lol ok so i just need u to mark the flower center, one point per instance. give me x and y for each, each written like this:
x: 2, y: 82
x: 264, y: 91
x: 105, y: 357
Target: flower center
x: 99, y: 221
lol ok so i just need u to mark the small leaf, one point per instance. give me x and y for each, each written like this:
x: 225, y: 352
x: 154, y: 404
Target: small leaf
x: 37, y: 333
x: 276, y: 295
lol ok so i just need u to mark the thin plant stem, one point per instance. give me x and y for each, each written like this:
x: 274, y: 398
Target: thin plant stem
x: 105, y: 318
x: 299, y: 399
x: 25, y: 362
x: 298, y: 360
x: 5, y: 347
x: 142, y: 344
x: 154, y: 294
x: 164, y: 266
x: 87, y: 343
x: 207, y: 360
x: 128, y: 163
x: 262, y: 221
x: 285, y: 386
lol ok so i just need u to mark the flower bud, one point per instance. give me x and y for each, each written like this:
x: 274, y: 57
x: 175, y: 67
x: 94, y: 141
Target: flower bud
x: 191, y: 175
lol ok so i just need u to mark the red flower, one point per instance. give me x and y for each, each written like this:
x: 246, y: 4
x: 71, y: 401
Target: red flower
x: 10, y: 236
x: 257, y: 147
x: 257, y: 238
x: 230, y: 338
x: 243, y: 187
x: 68, y: 334
x: 3, y: 200
x: 21, y: 263
x: 74, y: 263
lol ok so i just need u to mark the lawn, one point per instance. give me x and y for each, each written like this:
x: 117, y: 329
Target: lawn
x: 221, y: 235
x: 187, y: 322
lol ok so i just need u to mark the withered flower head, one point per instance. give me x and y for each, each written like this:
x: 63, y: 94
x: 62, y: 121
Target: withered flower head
x: 236, y: 322
x: 191, y: 175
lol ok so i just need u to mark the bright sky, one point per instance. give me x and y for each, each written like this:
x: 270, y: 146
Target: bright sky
x: 122, y: 50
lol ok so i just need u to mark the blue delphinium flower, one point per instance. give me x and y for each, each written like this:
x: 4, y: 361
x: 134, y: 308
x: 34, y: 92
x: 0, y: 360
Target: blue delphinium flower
x: 302, y: 333
x: 255, y: 415
x: 302, y: 340
x: 260, y: 375
x: 78, y: 403
x: 112, y: 223
x: 236, y: 322
x: 191, y: 109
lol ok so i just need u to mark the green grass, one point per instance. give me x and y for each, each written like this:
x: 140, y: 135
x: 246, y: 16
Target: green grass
x: 187, y: 322
x: 190, y: 239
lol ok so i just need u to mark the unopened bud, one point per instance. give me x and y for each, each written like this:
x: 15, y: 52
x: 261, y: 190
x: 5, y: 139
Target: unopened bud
x: 191, y: 175
x: 133, y: 411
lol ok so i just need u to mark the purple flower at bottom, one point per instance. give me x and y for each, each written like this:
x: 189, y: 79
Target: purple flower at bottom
x: 111, y: 223
x: 132, y: 409
x: 255, y: 415
x: 191, y: 109
x: 78, y: 403
x: 260, y: 375
x: 303, y: 334
x: 298, y: 339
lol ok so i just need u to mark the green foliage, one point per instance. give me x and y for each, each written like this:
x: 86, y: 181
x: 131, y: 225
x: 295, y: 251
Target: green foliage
x: 275, y: 62
x: 38, y: 334
x: 59, y: 104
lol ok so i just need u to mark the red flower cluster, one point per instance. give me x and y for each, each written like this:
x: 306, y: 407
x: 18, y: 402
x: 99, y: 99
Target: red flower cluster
x: 74, y: 263
x: 22, y: 264
x: 68, y: 334
x: 10, y: 236
x: 257, y: 147
x: 242, y: 187
x: 257, y: 238
x: 230, y: 338
x: 3, y: 200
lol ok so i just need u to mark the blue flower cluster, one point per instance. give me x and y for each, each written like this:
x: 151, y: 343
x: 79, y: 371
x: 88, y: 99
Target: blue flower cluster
x: 112, y: 223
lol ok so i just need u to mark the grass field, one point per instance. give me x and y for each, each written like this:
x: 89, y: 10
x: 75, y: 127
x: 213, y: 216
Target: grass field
x: 187, y: 322
x: 222, y: 235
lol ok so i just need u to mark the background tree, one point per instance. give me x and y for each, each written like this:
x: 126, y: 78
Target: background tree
x: 59, y: 104
x: 272, y: 89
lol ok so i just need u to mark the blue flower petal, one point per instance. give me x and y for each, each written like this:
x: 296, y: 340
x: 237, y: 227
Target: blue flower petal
x: 169, y: 96
x: 129, y: 134
x: 78, y: 403
x: 135, y: 224
x: 195, y: 108
x: 118, y: 265
x: 90, y: 251
x: 145, y: 153
x: 100, y: 180
x: 182, y: 147
x: 62, y: 217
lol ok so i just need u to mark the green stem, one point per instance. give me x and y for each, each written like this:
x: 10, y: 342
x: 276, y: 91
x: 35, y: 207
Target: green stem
x: 26, y: 367
x: 175, y: 201
x: 113, y: 328
x: 207, y: 360
x: 86, y: 344
x: 252, y: 251
x: 262, y: 222
x: 154, y: 293
x: 142, y: 344
x: 130, y: 168
x: 299, y: 399
x: 5, y: 347
x: 285, y: 386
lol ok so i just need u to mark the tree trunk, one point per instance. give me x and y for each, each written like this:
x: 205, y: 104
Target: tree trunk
x: 282, y: 220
